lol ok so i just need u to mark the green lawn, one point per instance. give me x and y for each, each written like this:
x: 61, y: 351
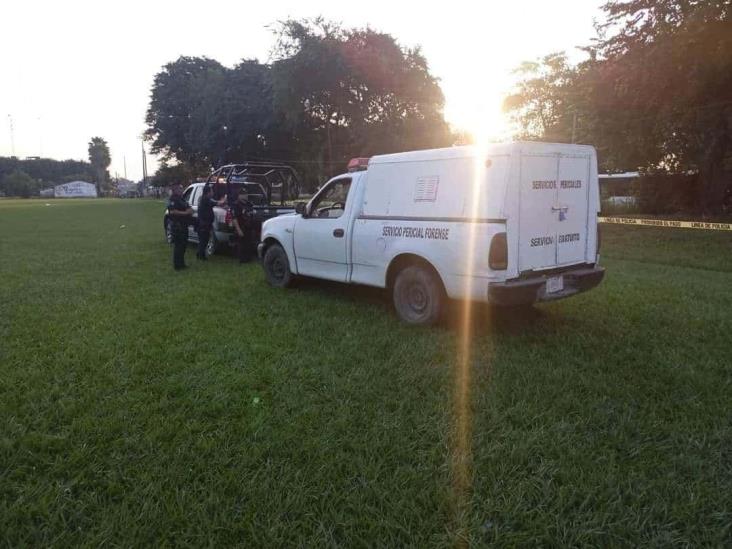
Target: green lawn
x: 143, y: 407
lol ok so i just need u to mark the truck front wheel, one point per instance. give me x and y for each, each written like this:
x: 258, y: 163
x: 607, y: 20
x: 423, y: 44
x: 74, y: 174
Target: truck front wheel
x: 418, y: 296
x: 277, y: 267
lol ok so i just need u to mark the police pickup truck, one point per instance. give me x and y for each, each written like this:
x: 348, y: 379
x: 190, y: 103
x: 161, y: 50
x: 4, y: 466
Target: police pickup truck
x: 510, y: 224
x: 267, y: 184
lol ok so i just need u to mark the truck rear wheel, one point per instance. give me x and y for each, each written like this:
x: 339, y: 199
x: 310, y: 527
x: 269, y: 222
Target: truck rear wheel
x: 418, y: 296
x: 277, y: 267
x: 212, y: 245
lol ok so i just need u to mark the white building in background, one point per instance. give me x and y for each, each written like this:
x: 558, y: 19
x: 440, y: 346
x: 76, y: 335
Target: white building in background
x: 75, y: 189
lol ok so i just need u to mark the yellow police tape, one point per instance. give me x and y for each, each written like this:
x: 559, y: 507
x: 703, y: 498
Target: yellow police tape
x: 705, y: 225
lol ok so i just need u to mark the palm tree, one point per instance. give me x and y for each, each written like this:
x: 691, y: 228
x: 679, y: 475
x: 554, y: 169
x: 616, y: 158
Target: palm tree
x: 100, y: 160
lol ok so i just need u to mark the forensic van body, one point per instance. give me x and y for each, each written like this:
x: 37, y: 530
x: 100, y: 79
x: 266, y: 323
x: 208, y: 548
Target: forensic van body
x: 511, y: 224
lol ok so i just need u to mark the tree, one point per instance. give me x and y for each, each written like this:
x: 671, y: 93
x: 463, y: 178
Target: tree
x: 655, y: 92
x: 350, y: 92
x: 167, y: 174
x: 540, y: 104
x: 100, y: 160
x: 670, y: 62
x: 330, y: 94
x: 46, y: 171
x: 19, y: 183
x: 204, y: 114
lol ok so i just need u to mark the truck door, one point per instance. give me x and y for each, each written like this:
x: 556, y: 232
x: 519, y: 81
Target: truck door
x: 191, y: 196
x: 320, y: 236
x: 552, y: 210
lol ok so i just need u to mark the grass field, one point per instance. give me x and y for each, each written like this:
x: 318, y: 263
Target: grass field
x: 142, y: 407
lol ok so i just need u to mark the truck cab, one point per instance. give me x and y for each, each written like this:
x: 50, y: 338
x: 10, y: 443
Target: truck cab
x: 511, y: 224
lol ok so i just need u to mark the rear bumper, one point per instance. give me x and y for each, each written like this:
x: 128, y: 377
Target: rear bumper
x: 531, y: 290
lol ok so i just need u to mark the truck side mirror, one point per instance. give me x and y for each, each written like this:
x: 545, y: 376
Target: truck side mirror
x: 300, y: 208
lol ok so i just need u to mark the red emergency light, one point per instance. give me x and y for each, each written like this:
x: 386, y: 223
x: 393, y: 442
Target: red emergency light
x: 358, y: 164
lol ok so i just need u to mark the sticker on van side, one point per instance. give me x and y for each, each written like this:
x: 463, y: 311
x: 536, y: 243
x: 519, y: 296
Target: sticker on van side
x: 542, y: 241
x: 552, y: 184
x: 429, y: 233
x: 549, y: 240
x: 541, y: 185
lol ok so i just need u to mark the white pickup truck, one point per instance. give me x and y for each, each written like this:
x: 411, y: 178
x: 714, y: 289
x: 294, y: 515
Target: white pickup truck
x: 511, y: 224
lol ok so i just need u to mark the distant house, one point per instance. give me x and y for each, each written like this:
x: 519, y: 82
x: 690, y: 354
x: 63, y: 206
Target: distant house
x: 75, y: 189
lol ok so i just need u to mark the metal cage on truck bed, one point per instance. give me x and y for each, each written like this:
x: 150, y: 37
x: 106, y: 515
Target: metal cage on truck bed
x: 278, y: 182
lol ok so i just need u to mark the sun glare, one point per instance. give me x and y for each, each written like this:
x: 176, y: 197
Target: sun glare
x: 483, y: 119
x: 489, y: 126
x: 462, y: 451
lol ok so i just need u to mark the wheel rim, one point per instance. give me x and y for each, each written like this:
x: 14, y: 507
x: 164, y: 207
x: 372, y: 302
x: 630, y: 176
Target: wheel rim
x: 277, y: 268
x: 417, y: 299
x: 168, y: 233
x: 211, y: 245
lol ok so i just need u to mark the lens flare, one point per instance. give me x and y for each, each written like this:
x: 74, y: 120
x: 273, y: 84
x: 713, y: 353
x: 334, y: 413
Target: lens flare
x: 462, y: 451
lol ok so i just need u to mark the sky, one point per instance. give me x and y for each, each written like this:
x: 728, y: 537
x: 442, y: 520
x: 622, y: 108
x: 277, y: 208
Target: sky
x: 76, y: 69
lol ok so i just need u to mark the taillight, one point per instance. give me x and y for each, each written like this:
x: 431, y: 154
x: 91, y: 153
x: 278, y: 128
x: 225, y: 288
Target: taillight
x: 498, y: 255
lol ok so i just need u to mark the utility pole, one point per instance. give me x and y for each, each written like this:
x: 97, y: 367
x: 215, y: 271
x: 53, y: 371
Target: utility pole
x: 124, y: 162
x: 330, y: 147
x: 144, y: 162
x: 40, y: 137
x: 12, y: 135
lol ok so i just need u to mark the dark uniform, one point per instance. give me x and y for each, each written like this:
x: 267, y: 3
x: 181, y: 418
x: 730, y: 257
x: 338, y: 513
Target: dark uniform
x: 205, y: 223
x: 179, y: 228
x: 243, y: 212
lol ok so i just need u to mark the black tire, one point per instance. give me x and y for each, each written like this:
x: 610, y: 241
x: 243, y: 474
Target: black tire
x: 277, y: 267
x: 168, y: 226
x: 419, y: 298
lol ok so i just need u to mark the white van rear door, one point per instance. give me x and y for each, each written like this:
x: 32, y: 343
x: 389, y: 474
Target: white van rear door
x: 553, y: 210
x: 537, y: 225
x: 571, y: 209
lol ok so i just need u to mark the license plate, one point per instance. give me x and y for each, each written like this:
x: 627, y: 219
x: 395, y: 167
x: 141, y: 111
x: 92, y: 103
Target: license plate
x: 554, y: 284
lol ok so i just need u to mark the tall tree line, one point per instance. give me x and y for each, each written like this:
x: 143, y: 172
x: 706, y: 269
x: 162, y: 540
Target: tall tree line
x: 26, y: 177
x: 329, y: 94
x: 654, y: 93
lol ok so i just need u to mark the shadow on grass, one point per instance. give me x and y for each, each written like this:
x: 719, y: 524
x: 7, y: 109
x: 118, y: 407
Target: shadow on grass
x: 348, y: 292
x: 484, y: 319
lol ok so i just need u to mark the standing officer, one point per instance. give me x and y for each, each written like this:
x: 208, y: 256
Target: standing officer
x: 180, y: 214
x: 243, y: 212
x: 206, y: 219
